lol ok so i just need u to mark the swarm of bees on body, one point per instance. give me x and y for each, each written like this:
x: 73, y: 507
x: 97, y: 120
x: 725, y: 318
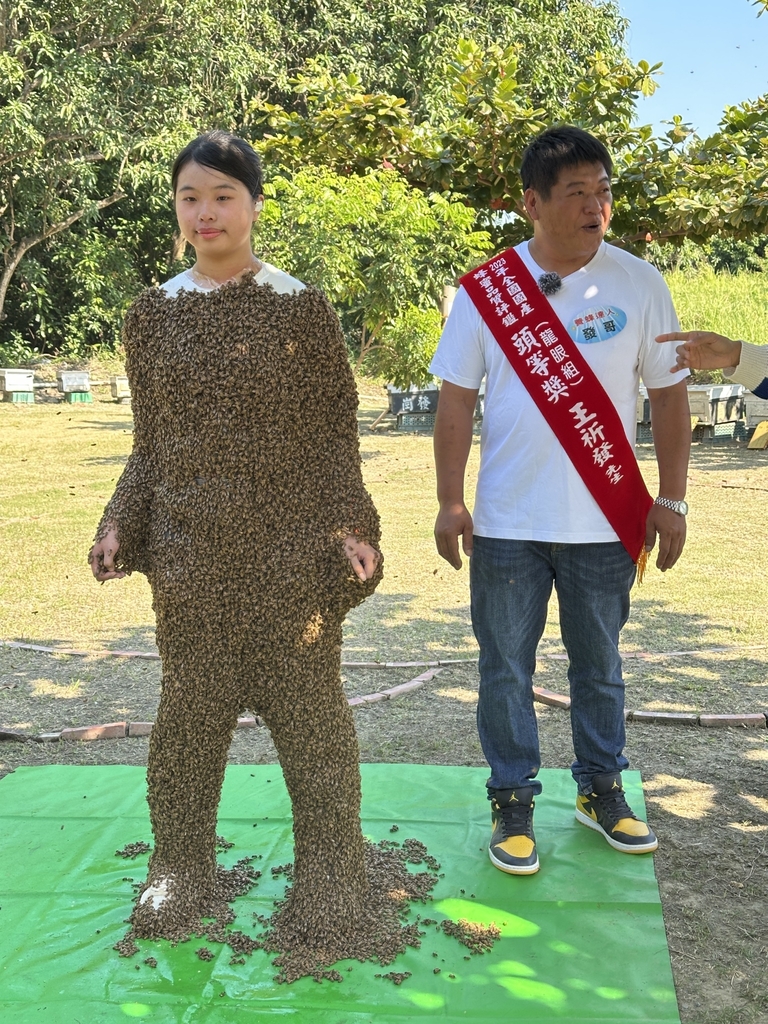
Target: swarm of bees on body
x: 243, y: 482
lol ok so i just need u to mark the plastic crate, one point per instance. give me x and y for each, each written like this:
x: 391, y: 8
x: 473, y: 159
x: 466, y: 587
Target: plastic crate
x: 74, y: 397
x: 418, y: 421
x: 643, y: 433
x: 721, y: 433
x: 740, y: 430
x: 19, y: 397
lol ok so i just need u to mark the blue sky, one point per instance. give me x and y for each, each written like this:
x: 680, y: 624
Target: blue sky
x: 715, y: 54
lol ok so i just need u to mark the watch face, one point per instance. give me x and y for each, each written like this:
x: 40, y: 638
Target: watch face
x: 683, y: 506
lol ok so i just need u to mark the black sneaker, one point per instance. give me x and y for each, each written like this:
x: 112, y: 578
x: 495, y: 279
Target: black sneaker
x: 513, y: 844
x: 606, y: 810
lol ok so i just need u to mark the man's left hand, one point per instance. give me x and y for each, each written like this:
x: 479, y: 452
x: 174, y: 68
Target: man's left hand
x: 669, y: 527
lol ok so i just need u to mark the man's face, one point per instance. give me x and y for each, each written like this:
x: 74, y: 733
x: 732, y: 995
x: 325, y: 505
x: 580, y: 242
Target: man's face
x: 574, y: 217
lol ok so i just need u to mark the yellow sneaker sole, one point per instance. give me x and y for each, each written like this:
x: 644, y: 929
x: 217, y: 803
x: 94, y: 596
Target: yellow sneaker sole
x: 621, y: 847
x: 524, y: 869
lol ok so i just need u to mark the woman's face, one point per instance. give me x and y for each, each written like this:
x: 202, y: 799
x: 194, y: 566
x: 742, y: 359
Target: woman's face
x: 215, y: 212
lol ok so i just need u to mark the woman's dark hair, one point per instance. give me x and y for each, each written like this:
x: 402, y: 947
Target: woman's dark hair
x: 556, y: 149
x: 223, y: 152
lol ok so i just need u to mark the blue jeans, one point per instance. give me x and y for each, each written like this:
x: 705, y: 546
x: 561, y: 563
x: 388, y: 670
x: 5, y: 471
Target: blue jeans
x: 511, y: 583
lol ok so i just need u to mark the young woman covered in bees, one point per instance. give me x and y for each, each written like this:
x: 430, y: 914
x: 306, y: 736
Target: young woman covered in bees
x: 243, y: 504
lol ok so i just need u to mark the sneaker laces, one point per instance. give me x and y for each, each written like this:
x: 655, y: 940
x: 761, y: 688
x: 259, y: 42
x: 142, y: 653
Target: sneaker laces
x: 615, y: 805
x: 517, y: 819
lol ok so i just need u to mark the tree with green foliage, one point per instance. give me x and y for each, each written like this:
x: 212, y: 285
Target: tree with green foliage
x: 95, y: 99
x: 475, y: 146
x: 96, y: 96
x: 406, y: 347
x: 405, y: 47
x: 671, y: 187
x: 374, y: 244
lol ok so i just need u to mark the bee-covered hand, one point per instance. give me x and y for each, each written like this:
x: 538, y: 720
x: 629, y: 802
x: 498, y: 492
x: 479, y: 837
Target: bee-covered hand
x: 102, y: 557
x: 362, y: 557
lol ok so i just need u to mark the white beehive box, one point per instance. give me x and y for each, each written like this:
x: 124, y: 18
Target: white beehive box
x: 16, y: 380
x: 755, y: 410
x: 716, y: 403
x: 119, y: 388
x: 73, y: 381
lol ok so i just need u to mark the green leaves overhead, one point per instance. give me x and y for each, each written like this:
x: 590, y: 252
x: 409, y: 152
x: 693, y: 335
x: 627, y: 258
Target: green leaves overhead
x: 669, y: 187
x: 404, y: 47
x: 373, y: 243
x: 414, y: 115
x: 96, y: 96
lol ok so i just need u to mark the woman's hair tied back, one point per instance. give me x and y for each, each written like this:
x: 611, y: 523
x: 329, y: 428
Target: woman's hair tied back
x: 222, y: 151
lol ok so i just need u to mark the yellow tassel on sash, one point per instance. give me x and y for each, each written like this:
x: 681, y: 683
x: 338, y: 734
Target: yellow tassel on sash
x: 642, y: 564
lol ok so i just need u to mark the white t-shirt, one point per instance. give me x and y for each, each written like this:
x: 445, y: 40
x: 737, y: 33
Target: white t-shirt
x: 283, y: 283
x: 527, y: 488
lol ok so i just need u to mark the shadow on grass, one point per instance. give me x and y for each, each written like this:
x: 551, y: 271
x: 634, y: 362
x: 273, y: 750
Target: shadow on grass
x: 656, y: 629
x: 139, y: 638
x: 105, y: 460
x: 384, y: 625
x: 385, y: 628
x: 713, y: 457
x: 123, y: 425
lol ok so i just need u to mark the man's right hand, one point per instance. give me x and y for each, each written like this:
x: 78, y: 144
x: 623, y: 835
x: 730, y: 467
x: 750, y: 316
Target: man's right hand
x: 453, y: 521
x: 102, y: 558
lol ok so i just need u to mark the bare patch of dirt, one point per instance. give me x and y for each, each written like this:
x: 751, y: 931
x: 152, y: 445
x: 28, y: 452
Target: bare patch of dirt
x: 44, y: 693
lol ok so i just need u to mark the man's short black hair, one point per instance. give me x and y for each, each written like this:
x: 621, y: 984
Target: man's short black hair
x: 556, y: 149
x: 224, y: 152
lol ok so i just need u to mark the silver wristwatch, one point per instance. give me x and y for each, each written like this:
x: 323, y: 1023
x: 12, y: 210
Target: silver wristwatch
x: 681, y: 507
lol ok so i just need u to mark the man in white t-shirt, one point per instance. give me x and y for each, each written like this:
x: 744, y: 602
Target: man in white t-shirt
x: 535, y: 524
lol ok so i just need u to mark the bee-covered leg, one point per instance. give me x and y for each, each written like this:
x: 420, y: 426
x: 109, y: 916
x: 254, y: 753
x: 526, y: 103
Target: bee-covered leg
x: 312, y: 727
x: 187, y: 757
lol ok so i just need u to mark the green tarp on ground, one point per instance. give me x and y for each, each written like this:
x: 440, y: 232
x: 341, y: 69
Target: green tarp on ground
x: 582, y: 941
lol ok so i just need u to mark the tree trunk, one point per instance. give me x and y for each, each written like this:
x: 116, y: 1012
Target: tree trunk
x: 17, y: 254
x: 368, y: 343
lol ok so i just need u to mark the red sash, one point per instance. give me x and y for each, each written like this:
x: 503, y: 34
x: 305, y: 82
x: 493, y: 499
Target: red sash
x: 564, y: 387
